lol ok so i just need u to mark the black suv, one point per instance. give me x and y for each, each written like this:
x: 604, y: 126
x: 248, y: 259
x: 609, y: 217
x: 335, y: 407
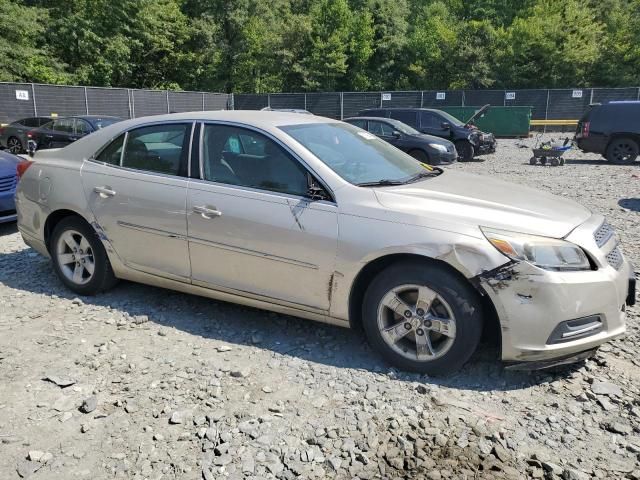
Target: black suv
x: 469, y: 141
x: 612, y: 130
x: 62, y: 131
x: 422, y: 147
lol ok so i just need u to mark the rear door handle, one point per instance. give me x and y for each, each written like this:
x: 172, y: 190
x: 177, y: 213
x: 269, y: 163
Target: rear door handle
x: 207, y: 212
x: 104, y: 192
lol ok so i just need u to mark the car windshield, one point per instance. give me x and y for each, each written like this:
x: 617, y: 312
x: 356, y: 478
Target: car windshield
x: 403, y: 127
x: 451, y: 119
x: 99, y: 123
x: 357, y: 156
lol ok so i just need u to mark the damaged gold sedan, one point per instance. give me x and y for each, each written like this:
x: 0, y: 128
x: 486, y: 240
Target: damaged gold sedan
x: 316, y: 218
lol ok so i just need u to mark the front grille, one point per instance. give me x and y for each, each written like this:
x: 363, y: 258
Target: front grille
x: 614, y: 258
x: 7, y: 183
x: 603, y: 234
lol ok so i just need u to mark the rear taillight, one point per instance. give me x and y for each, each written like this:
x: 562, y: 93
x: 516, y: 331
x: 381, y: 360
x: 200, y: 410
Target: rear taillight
x: 585, y: 129
x: 22, y: 167
x: 30, y: 134
x: 2, y: 130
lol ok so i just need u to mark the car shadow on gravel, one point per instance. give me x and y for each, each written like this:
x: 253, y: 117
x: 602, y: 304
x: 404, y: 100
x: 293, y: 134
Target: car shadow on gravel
x: 8, y: 228
x: 281, y: 334
x: 630, y: 204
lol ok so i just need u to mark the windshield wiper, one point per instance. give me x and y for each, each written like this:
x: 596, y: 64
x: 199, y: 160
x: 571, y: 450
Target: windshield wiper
x: 433, y: 173
x: 380, y: 183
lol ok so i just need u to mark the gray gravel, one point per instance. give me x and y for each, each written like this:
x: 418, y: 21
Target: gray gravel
x: 145, y: 383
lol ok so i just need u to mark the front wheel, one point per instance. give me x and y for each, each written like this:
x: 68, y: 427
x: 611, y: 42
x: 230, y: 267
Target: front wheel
x: 422, y: 318
x: 622, y: 151
x: 79, y: 258
x: 465, y: 150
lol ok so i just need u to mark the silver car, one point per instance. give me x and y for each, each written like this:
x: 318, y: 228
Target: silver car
x: 319, y: 219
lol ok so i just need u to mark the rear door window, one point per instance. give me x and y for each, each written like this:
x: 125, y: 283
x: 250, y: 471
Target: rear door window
x: 158, y: 148
x: 406, y: 117
x: 359, y: 123
x: 430, y: 120
x: 381, y: 129
x: 112, y: 153
x: 82, y: 127
x: 64, y: 125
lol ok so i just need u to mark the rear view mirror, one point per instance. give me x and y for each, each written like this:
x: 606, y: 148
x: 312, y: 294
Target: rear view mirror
x: 445, y: 125
x: 396, y: 134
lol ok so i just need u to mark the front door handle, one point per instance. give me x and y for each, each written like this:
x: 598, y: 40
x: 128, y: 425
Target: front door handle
x: 104, y: 192
x: 207, y: 212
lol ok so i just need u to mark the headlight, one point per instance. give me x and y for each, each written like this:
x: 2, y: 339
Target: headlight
x: 543, y: 252
x: 437, y: 146
x: 473, y: 138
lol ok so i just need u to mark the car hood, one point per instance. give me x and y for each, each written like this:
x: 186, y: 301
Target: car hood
x: 457, y: 197
x: 431, y: 139
x: 8, y: 164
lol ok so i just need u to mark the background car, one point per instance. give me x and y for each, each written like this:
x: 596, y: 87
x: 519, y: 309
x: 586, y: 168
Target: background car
x: 60, y: 132
x: 422, y: 147
x: 8, y: 181
x: 469, y: 141
x: 612, y: 130
x: 13, y: 137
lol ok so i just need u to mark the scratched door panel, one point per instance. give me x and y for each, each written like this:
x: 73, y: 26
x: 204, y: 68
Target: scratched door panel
x: 268, y: 244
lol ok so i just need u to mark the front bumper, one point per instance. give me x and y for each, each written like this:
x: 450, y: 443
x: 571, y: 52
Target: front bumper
x: 486, y: 145
x: 540, y: 311
x: 445, y: 158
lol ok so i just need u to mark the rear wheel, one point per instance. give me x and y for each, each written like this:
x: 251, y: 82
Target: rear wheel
x: 422, y: 318
x: 533, y: 161
x: 420, y: 156
x: 79, y: 258
x: 622, y: 151
x: 465, y: 150
x: 14, y: 145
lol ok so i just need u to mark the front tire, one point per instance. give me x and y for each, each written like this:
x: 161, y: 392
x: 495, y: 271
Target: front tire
x: 622, y: 151
x: 79, y: 258
x: 422, y: 318
x: 465, y: 150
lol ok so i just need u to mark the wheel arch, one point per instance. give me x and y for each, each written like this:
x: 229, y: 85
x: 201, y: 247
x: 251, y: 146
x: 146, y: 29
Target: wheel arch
x: 492, y: 329
x: 54, y: 218
x: 617, y: 135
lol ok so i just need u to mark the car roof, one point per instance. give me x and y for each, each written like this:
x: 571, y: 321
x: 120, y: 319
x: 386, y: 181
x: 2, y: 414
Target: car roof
x: 406, y: 109
x: 378, y: 119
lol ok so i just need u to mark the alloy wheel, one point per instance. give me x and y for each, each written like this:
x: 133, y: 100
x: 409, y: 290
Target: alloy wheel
x: 75, y: 257
x: 623, y: 152
x: 14, y: 145
x: 416, y: 322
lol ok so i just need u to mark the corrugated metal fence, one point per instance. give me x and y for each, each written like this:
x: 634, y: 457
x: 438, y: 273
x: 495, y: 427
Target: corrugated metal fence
x: 557, y: 104
x: 21, y: 100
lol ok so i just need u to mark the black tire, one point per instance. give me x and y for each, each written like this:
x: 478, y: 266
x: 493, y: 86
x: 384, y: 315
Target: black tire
x: 14, y: 145
x: 555, y: 162
x: 543, y: 160
x: 533, y: 161
x: 103, y: 277
x: 421, y: 156
x: 622, y: 151
x: 465, y: 150
x: 461, y: 298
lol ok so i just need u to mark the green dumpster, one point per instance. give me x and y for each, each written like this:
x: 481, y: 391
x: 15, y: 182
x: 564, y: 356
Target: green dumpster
x: 501, y: 121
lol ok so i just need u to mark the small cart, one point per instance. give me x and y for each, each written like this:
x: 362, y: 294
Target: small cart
x: 548, y: 153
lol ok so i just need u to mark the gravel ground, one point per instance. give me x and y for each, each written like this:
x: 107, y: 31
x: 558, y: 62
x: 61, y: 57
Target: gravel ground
x: 146, y: 383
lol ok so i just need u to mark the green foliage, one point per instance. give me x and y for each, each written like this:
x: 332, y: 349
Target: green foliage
x: 319, y: 45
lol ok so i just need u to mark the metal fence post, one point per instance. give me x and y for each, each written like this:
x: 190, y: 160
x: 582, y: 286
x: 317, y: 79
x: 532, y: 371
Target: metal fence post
x: 380, y: 99
x: 341, y: 105
x: 591, y: 96
x: 203, y: 101
x: 638, y: 97
x: 86, y: 101
x: 129, y: 102
x: 269, y: 100
x: 421, y: 98
x: 305, y: 101
x: 546, y: 112
x: 463, y: 98
x: 168, y: 107
x: 33, y: 97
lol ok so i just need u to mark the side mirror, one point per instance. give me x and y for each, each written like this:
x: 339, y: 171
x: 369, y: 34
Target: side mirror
x: 315, y: 191
x: 445, y: 125
x: 396, y: 134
